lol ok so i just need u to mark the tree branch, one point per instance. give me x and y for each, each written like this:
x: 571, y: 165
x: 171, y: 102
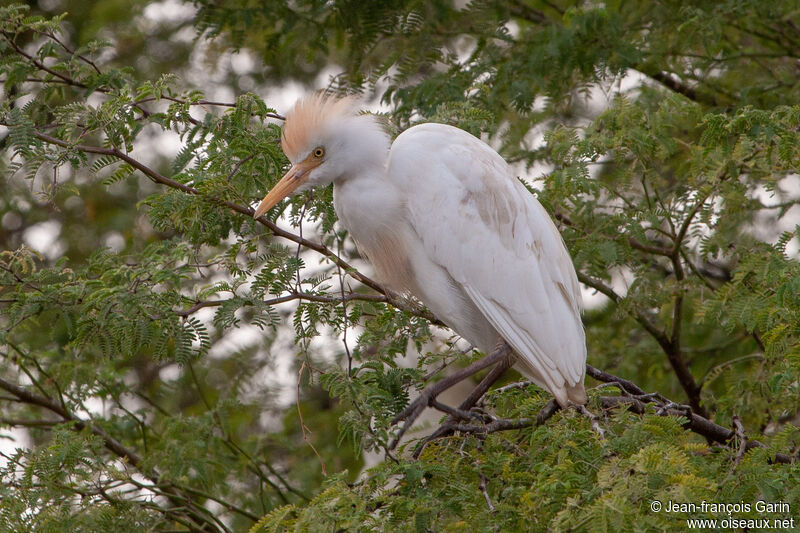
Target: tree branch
x: 41, y: 66
x: 636, y: 400
x: 674, y: 355
x: 297, y: 295
x: 60, y: 77
x: 659, y: 335
x: 195, y: 512
x: 674, y: 84
x: 29, y: 423
x: 200, y: 103
x: 635, y: 243
x: 247, y: 211
x: 695, y: 423
x: 521, y: 10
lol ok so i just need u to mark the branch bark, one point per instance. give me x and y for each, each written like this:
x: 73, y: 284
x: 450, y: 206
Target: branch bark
x: 380, y: 298
x: 157, y: 177
x: 674, y: 84
x: 200, y: 516
x: 635, y: 399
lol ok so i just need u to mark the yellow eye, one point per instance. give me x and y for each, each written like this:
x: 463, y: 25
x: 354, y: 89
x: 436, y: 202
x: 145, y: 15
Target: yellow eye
x: 319, y: 151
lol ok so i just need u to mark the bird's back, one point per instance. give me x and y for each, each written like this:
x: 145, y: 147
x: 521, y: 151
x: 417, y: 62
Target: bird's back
x: 499, y: 247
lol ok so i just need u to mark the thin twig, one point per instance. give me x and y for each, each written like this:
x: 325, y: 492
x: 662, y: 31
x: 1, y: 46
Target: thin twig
x: 237, y: 166
x: 247, y: 211
x: 196, y: 513
x: 303, y: 426
x: 482, y: 488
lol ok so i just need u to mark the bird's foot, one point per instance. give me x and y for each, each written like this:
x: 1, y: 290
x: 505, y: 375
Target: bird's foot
x: 595, y: 420
x: 426, y: 399
x: 461, y: 414
x: 429, y: 395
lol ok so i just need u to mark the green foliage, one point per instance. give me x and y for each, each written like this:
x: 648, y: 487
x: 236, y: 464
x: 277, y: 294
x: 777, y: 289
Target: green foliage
x: 140, y: 356
x: 560, y: 477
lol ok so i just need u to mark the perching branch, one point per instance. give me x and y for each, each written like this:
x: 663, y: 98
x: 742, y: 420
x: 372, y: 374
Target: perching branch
x: 633, y: 397
x: 157, y: 177
x: 636, y: 399
x: 695, y: 423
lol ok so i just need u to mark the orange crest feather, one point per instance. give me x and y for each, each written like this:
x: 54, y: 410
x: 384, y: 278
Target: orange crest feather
x: 307, y: 117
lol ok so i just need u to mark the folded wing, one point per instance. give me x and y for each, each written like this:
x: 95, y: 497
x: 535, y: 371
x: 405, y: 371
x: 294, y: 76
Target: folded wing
x: 494, y: 238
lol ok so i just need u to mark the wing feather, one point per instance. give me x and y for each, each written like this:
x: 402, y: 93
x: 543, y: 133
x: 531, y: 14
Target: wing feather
x: 494, y: 238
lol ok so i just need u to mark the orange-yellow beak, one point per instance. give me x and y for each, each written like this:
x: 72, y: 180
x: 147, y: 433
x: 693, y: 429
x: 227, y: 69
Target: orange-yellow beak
x: 296, y: 176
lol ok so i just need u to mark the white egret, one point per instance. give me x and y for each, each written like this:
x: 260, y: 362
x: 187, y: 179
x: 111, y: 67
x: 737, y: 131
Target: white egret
x: 440, y: 216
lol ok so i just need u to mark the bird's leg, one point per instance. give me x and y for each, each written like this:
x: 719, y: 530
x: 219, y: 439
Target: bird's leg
x: 463, y: 410
x: 413, y: 410
x: 478, y: 392
x: 447, y: 426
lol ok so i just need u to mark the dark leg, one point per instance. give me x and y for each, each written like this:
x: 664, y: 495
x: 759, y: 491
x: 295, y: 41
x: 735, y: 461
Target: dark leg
x: 447, y: 426
x: 486, y: 383
x: 416, y: 407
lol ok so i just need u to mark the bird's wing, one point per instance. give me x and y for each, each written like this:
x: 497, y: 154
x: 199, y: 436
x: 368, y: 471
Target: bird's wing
x: 495, y: 239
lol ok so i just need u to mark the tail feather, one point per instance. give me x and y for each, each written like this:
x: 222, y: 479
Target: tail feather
x: 577, y: 394
x: 564, y: 394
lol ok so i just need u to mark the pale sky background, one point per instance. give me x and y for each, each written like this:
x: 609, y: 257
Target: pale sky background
x: 45, y: 237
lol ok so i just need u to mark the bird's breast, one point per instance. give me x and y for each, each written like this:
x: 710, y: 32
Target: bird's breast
x: 374, y: 212
x: 388, y: 253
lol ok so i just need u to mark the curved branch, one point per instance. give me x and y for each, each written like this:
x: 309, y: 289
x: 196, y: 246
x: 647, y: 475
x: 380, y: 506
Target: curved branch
x: 674, y: 84
x: 320, y: 248
x: 195, y: 512
x: 659, y: 335
x: 636, y: 400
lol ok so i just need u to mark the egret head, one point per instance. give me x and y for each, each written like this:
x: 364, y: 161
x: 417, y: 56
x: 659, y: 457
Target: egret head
x: 325, y: 140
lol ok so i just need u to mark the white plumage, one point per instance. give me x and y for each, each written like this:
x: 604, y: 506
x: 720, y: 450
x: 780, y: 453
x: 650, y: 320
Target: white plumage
x: 441, y: 216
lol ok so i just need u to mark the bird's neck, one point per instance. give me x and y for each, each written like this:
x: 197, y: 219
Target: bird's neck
x: 366, y: 202
x: 372, y: 209
x: 362, y: 193
x: 363, y: 148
